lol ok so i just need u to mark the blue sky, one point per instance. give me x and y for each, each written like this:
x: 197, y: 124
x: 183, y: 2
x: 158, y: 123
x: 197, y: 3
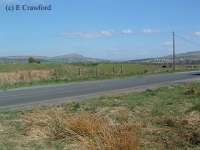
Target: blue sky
x: 111, y: 29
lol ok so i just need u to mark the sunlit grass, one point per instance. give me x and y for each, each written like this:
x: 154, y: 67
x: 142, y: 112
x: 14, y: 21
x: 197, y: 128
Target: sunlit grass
x: 165, y: 118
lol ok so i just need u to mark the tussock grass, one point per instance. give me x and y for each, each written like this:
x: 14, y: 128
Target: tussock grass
x: 90, y: 131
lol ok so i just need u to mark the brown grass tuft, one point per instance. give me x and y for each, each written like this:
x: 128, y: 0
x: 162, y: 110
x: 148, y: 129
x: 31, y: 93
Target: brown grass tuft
x: 91, y: 131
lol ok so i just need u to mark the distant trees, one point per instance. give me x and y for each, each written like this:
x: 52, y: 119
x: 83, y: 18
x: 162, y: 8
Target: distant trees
x: 32, y: 60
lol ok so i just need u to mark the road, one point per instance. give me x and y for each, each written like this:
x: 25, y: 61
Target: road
x: 55, y: 93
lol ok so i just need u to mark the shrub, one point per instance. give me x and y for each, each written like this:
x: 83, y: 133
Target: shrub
x: 190, y: 91
x: 33, y: 60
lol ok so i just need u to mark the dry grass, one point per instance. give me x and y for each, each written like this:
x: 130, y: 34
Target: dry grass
x: 90, y: 131
x: 25, y: 76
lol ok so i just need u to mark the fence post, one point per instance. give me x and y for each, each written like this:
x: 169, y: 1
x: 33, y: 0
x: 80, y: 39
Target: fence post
x: 56, y: 74
x: 113, y: 69
x: 122, y: 69
x: 79, y: 71
x: 96, y: 71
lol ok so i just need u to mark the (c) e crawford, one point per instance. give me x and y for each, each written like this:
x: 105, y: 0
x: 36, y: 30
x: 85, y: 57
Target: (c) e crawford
x: 38, y: 7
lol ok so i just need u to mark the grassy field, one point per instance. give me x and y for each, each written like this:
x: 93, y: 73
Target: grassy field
x: 16, y: 75
x: 163, y: 119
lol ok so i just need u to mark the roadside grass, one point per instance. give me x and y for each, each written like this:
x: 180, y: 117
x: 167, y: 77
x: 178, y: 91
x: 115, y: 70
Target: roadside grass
x: 19, y: 75
x: 166, y: 118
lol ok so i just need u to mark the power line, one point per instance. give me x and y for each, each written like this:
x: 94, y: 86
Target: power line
x: 188, y: 40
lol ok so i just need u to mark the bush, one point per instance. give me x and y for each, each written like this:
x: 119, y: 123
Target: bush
x: 32, y: 60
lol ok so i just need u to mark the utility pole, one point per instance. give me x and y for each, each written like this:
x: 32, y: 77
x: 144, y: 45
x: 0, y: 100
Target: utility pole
x: 96, y: 71
x: 174, y: 52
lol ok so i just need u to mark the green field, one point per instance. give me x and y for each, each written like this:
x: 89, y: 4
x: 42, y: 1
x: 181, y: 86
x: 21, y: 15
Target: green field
x: 128, y: 68
x: 16, y: 75
x: 166, y: 118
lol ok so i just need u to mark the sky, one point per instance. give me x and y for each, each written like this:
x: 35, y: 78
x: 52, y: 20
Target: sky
x: 109, y: 29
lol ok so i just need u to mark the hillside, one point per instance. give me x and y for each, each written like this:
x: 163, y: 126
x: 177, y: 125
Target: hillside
x: 73, y: 58
x: 182, y: 58
x: 66, y: 59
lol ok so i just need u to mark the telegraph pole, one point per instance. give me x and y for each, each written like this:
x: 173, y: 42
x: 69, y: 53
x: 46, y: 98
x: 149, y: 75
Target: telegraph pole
x: 174, y: 52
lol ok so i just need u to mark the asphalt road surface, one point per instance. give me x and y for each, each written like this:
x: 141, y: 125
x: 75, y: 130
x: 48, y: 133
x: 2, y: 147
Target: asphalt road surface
x: 54, y: 93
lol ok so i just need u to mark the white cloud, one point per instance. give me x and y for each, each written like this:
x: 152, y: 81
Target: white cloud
x: 127, y: 31
x: 89, y: 35
x: 148, y: 31
x: 197, y: 33
x: 107, y: 33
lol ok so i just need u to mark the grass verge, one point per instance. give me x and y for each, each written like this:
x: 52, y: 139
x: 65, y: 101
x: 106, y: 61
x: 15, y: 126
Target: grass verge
x: 166, y: 118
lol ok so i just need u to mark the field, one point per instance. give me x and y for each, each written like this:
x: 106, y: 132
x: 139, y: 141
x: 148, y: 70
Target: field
x: 166, y: 118
x: 16, y: 75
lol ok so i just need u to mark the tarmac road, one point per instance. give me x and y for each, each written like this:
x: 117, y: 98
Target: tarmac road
x: 54, y: 93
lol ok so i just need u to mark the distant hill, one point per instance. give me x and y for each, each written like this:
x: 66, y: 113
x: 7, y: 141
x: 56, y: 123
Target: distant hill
x: 183, y: 58
x: 67, y: 59
x: 76, y: 58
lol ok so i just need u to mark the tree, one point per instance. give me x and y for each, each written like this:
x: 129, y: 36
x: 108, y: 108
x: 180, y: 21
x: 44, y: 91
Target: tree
x: 32, y: 60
